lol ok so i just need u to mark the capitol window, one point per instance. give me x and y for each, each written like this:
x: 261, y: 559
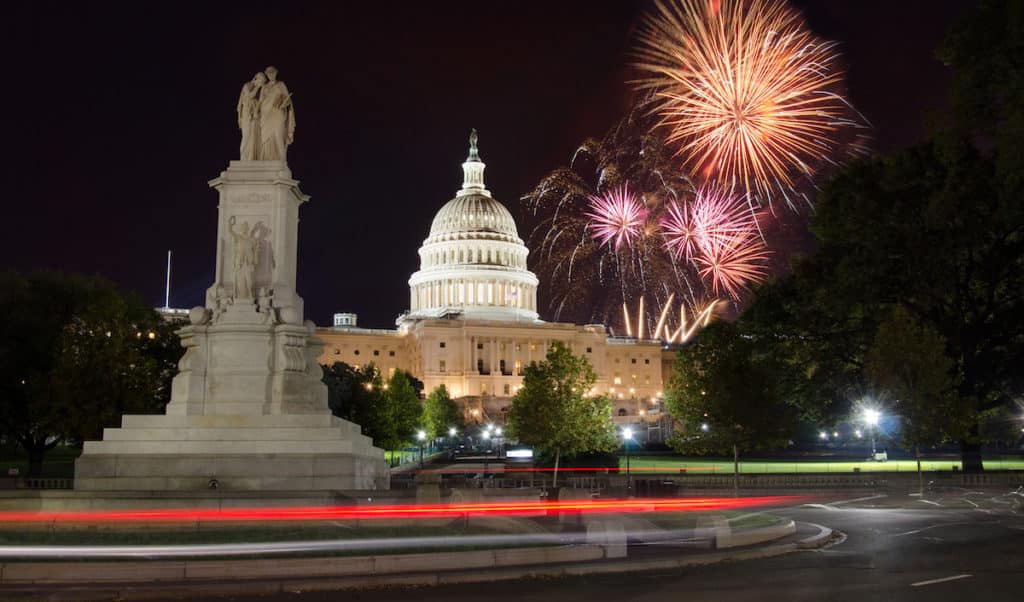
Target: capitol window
x: 441, y: 345
x: 441, y: 366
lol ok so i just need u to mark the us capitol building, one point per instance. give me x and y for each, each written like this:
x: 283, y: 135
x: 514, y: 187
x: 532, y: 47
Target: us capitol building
x: 473, y: 324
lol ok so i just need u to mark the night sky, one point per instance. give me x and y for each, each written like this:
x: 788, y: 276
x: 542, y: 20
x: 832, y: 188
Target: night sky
x: 122, y: 114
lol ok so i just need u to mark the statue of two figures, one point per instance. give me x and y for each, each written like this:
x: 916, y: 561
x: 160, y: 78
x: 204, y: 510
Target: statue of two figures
x: 253, y: 257
x: 266, y: 117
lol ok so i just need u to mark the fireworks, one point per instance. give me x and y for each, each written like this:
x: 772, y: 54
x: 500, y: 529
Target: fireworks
x: 730, y: 265
x: 711, y: 220
x: 622, y: 224
x: 747, y: 93
x: 617, y: 216
x: 663, y: 332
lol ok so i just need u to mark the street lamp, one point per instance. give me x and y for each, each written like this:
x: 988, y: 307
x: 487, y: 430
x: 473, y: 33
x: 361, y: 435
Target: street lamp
x: 487, y: 451
x: 871, y: 417
x: 421, y: 436
x: 627, y: 436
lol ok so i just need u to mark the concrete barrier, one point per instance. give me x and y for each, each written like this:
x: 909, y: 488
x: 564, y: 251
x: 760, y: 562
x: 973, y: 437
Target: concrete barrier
x: 608, y: 534
x: 203, y: 570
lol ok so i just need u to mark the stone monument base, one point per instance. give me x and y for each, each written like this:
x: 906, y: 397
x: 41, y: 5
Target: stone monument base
x: 296, y: 452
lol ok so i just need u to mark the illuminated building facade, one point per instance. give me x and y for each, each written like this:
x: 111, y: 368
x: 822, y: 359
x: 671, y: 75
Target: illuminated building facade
x: 473, y: 324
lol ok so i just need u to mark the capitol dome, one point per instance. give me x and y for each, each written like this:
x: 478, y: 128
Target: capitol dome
x: 473, y: 262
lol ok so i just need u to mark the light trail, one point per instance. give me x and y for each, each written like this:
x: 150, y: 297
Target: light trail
x: 610, y: 469
x: 393, y: 511
x: 377, y: 544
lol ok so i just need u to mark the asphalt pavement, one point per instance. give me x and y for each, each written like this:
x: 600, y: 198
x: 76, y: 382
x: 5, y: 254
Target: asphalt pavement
x: 952, y: 546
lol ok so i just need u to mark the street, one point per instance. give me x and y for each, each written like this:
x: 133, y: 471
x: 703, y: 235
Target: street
x: 953, y: 547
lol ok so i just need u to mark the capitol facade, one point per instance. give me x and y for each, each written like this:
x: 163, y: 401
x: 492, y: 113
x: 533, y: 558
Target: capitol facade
x: 473, y: 323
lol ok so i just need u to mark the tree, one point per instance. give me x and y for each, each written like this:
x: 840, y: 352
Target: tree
x: 75, y: 354
x: 908, y: 363
x: 441, y: 413
x: 726, y: 400
x: 355, y: 394
x: 554, y: 411
x: 937, y: 228
x: 401, y: 412
x: 387, y: 412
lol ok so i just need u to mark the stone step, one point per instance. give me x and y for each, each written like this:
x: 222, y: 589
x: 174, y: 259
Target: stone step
x: 225, y: 434
x: 221, y: 421
x: 228, y: 447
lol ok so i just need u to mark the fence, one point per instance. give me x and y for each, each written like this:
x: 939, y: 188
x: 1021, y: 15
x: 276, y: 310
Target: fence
x: 644, y: 485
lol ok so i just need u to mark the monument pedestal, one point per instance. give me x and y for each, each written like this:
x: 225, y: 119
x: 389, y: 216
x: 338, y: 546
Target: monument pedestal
x: 248, y: 408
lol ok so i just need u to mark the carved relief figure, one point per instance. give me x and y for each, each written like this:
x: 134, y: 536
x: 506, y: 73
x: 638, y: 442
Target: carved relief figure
x: 264, y: 256
x: 248, y: 116
x: 276, y: 119
x: 244, y: 251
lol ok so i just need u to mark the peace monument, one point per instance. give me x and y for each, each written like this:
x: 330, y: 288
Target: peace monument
x: 248, y: 410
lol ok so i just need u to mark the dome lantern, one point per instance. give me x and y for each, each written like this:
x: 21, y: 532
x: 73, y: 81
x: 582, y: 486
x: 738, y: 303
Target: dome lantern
x: 473, y: 170
x: 473, y: 262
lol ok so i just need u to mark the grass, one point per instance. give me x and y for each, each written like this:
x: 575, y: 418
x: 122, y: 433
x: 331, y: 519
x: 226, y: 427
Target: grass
x: 673, y: 464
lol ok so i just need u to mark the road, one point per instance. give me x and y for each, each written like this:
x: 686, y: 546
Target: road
x: 951, y: 547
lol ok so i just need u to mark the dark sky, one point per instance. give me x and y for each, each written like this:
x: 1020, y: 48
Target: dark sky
x: 121, y: 114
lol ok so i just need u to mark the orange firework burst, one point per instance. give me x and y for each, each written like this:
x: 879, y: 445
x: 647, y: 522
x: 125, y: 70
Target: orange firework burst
x: 746, y: 91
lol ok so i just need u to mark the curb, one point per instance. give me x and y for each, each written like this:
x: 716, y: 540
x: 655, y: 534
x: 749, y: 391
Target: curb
x: 215, y: 585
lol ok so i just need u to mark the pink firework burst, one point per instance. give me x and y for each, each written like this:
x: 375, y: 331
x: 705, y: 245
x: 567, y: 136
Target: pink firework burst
x: 713, y: 218
x: 617, y: 216
x: 683, y: 231
x: 732, y: 264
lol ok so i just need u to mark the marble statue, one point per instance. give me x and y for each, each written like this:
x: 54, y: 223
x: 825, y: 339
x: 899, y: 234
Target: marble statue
x: 474, y: 152
x: 248, y: 116
x: 244, y: 248
x: 276, y: 119
x: 266, y: 117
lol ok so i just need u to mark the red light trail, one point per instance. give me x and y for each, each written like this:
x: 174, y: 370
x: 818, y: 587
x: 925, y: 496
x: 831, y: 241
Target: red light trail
x: 392, y: 511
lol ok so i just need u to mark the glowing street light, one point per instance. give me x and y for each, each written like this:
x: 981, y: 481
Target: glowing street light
x: 871, y: 418
x: 421, y: 436
x: 704, y: 427
x: 627, y: 436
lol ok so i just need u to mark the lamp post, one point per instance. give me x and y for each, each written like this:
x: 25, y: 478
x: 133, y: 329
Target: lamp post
x: 451, y: 436
x: 421, y: 437
x: 871, y: 417
x: 487, y: 450
x: 627, y: 436
x: 498, y: 434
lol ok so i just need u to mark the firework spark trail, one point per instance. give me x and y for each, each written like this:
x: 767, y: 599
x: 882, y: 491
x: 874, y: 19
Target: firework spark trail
x: 618, y: 216
x: 731, y: 264
x: 746, y: 91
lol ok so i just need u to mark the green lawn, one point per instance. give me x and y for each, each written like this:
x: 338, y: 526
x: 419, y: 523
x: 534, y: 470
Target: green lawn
x: 673, y: 464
